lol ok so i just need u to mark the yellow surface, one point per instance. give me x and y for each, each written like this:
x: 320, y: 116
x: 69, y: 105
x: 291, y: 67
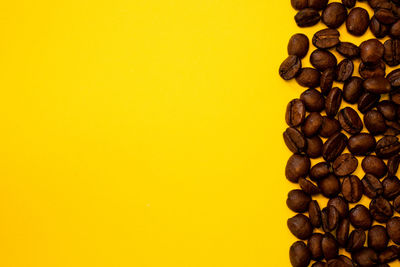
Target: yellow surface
x: 144, y: 133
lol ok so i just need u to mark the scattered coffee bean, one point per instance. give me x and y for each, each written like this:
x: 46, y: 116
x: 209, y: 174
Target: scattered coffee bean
x: 329, y: 186
x: 365, y: 257
x: 314, y: 244
x: 312, y: 124
x: 322, y: 59
x: 357, y: 21
x: 395, y: 96
x: 372, y: 187
x: 294, y: 140
x: 299, y: 4
x: 371, y: 51
x: 345, y: 164
x: 391, y: 187
x: 295, y: 112
x: 314, y: 212
x: 392, y: 52
x: 300, y: 226
x: 394, y: 78
x: 348, y: 50
x: 352, y: 89
x: 360, y: 217
x: 378, y: 29
x: 344, y: 70
x: 361, y: 144
x: 341, y: 206
x: 389, y: 254
x: 380, y: 209
x: 352, y: 189
x: 375, y: 122
x: 298, y: 45
x: 334, y: 15
x: 308, y: 77
x: 396, y: 203
x: 371, y: 70
x: 342, y: 232
x: 395, y: 30
x: 350, y: 121
x: 367, y: 101
x: 387, y: 147
x: 377, y: 85
x: 298, y: 200
x: 373, y: 165
x: 326, y: 80
x: 329, y: 218
x: 393, y: 229
x: 319, y: 171
x: 329, y: 127
x: 297, y: 167
x: 313, y: 100
x: 307, y: 17
x: 334, y: 146
x: 378, y: 238
x: 326, y: 38
x: 387, y: 109
x: 393, y: 165
x: 333, y: 102
x: 330, y: 248
x: 299, y: 254
x: 308, y: 187
x: 314, y: 146
x: 356, y: 240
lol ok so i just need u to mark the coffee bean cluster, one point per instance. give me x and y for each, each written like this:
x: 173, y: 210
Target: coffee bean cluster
x: 346, y: 120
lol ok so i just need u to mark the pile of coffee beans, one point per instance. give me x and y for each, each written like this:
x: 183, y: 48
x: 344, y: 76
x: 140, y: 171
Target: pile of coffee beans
x: 344, y: 121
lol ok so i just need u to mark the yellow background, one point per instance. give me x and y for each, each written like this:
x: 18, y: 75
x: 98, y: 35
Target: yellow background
x: 144, y: 133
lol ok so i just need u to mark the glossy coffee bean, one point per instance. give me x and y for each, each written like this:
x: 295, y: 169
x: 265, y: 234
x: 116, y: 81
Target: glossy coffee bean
x: 378, y: 238
x: 298, y: 200
x: 377, y: 85
x: 342, y: 232
x: 297, y: 167
x: 298, y: 45
x: 317, y: 4
x: 360, y: 217
x: 326, y: 38
x: 348, y: 50
x: 387, y: 109
x: 372, y: 187
x: 387, y: 147
x: 373, y: 165
x: 312, y: 124
x: 357, y: 21
x: 290, y: 67
x: 299, y: 4
x: 341, y: 261
x: 393, y: 165
x: 367, y: 101
x: 313, y: 100
x: 393, y: 229
x: 345, y: 164
x: 389, y: 254
x: 294, y: 140
x: 396, y: 203
x: 349, y: 3
x: 307, y: 17
x: 371, y: 51
x: 356, y: 240
x: 314, y: 212
x: 392, y: 52
x: 394, y: 31
x: 308, y: 77
x: 350, y: 121
x: 322, y: 59
x: 344, y: 70
x: 375, y: 4
x: 380, y: 209
x: 329, y: 218
x: 395, y: 96
x: 326, y: 80
x: 391, y: 187
x: 334, y: 15
x: 352, y: 189
x: 308, y: 187
x: 319, y: 171
x: 378, y: 29
x: 375, y: 122
x: 352, y: 89
x: 330, y: 247
x: 329, y: 186
x: 385, y: 16
x: 333, y: 102
x: 394, y: 78
x: 300, y: 226
x: 334, y: 146
x: 361, y: 144
x: 314, y: 244
x: 299, y: 254
x: 365, y: 257
x: 341, y: 206
x: 319, y: 264
x: 371, y: 70
x: 329, y: 127
x: 314, y: 147
x: 295, y: 112
x: 393, y: 128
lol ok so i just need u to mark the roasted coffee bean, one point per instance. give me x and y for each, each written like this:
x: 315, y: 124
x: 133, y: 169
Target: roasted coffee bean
x: 297, y: 167
x: 393, y: 128
x: 330, y: 248
x: 334, y: 146
x: 329, y: 127
x: 356, y: 240
x: 387, y: 109
x: 360, y: 217
x: 340, y: 204
x: 300, y: 226
x: 385, y: 16
x: 393, y: 229
x: 392, y: 52
x: 329, y: 218
x: 299, y: 254
x: 373, y: 165
x: 298, y: 200
x: 314, y: 212
x: 295, y: 112
x: 326, y: 81
x: 389, y: 254
x: 380, y: 209
x: 298, y: 45
x: 377, y: 85
x: 290, y: 67
x: 396, y: 203
x: 350, y: 121
x: 307, y: 17
x: 326, y: 38
x: 308, y: 187
x: 329, y: 186
x: 313, y: 100
x: 334, y: 15
x: 308, y: 77
x: 378, y: 238
x: 333, y: 101
x: 299, y: 4
x: 367, y: 101
x: 318, y: 264
x: 341, y: 261
x: 317, y: 4
x: 319, y: 171
x: 314, y: 244
x: 352, y: 89
x: 349, y: 3
x: 345, y: 164
x: 387, y: 147
x: 391, y: 187
x: 393, y: 165
x: 348, y: 50
x: 395, y: 30
x: 294, y: 140
x: 344, y: 70
x: 394, y: 78
x: 374, y: 4
x: 371, y: 51
x: 395, y: 96
x: 342, y: 232
x: 357, y: 21
x: 371, y: 70
x: 372, y: 187
x: 361, y: 144
x: 322, y: 59
x: 314, y: 147
x: 378, y: 29
x: 312, y: 124
x: 375, y: 122
x: 352, y: 189
x: 365, y: 257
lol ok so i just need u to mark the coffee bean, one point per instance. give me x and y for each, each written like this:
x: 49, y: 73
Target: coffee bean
x: 348, y: 50
x: 345, y: 164
x: 373, y: 165
x: 299, y: 254
x: 326, y: 38
x: 340, y: 204
x: 372, y: 187
x: 387, y: 147
x: 300, y: 226
x: 341, y: 261
x: 314, y: 147
x: 352, y: 89
x: 314, y: 244
x: 299, y: 4
x: 312, y: 124
x: 392, y: 52
x: 377, y: 85
x: 395, y: 96
x: 319, y: 171
x: 344, y: 70
x: 333, y: 101
x: 357, y: 21
x: 352, y: 189
x: 360, y: 217
x: 308, y: 77
x: 298, y: 45
x: 322, y: 59
x: 290, y: 67
x: 326, y: 81
x: 307, y: 17
x: 395, y: 30
x: 378, y: 238
x: 393, y: 165
x: 394, y: 78
x: 317, y: 4
x: 388, y: 109
x: 294, y: 140
x: 318, y: 264
x: 393, y: 229
x: 393, y: 128
x: 361, y: 144
x: 329, y: 218
x: 371, y: 50
x: 375, y: 4
x: 308, y: 187
x: 371, y: 70
x: 329, y: 186
x: 295, y: 112
x: 330, y: 248
x: 356, y: 240
x: 380, y: 209
x: 334, y: 146
x: 334, y: 15
x: 391, y: 187
x: 375, y: 122
x: 313, y: 100
x: 396, y: 203
x: 314, y: 212
x: 365, y: 257
x: 298, y: 200
x: 389, y: 254
x: 378, y: 29
x: 367, y: 101
x: 349, y: 3
x: 297, y: 167
x: 350, y: 121
x: 342, y: 232
x: 329, y: 127
x: 385, y: 16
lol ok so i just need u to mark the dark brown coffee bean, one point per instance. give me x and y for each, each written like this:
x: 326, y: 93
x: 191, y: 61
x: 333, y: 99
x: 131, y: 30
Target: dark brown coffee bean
x: 341, y: 261
x: 334, y: 146
x: 380, y: 209
x: 314, y: 147
x: 391, y: 187
x: 349, y: 3
x: 317, y: 4
x: 392, y: 52
x: 393, y: 128
x: 330, y: 218
x: 326, y: 81
x: 393, y: 229
x: 373, y: 165
x: 387, y: 147
x: 314, y: 244
x: 372, y: 187
x: 298, y: 200
x: 361, y: 144
x: 294, y: 140
x: 395, y: 30
x: 357, y: 21
x: 299, y: 4
x: 360, y: 217
x: 396, y: 203
x: 308, y: 77
x: 329, y: 186
x: 322, y: 59
x: 375, y: 122
x: 374, y: 4
x: 378, y: 238
x: 371, y: 70
x: 314, y: 212
x: 344, y: 70
x: 330, y: 248
x: 389, y: 254
x: 348, y: 50
x: 352, y: 189
x: 300, y: 226
x: 333, y: 101
x: 334, y: 15
x: 377, y: 85
x: 299, y: 254
x: 371, y: 50
x: 313, y: 100
x: 365, y: 257
x: 395, y: 96
x: 326, y: 38
x: 385, y: 16
x: 367, y: 101
x: 342, y: 232
x: 298, y: 45
x: 388, y: 109
x: 350, y: 121
x: 297, y: 167
x: 312, y: 124
x: 295, y: 112
x: 340, y: 204
x: 290, y: 67
x: 394, y: 78
x: 329, y: 127
x: 356, y: 240
x: 319, y: 171
x: 308, y: 187
x: 318, y: 264
x: 378, y: 29
x: 352, y: 89
x: 345, y: 164
x: 393, y: 165
x: 307, y: 17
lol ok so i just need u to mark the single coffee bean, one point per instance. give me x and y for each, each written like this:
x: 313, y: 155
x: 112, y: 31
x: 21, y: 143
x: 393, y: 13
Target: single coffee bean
x: 326, y: 80
x: 308, y: 77
x: 312, y: 124
x: 375, y: 122
x: 371, y: 70
x: 352, y: 189
x: 349, y: 3
x: 393, y: 165
x: 322, y: 59
x: 329, y: 218
x: 377, y: 85
x: 345, y: 164
x: 387, y: 147
x: 356, y: 240
x: 385, y: 16
x: 392, y: 52
x: 297, y: 167
x: 314, y: 212
x: 333, y: 101
x: 329, y: 127
x: 372, y: 187
x: 295, y: 112
x: 314, y: 147
x: 360, y: 217
x: 318, y: 264
x: 352, y: 89
x: 294, y: 140
x: 350, y: 121
x: 300, y: 226
x: 373, y: 165
x: 371, y: 50
x: 299, y: 4
x: 361, y: 144
x: 396, y: 203
x: 391, y: 187
x: 375, y: 4
x: 378, y: 29
x: 317, y: 4
x: 367, y: 101
x: 394, y: 78
x: 319, y: 171
x: 307, y: 17
x: 394, y: 31
x: 395, y: 96
x: 313, y: 100
x: 365, y: 257
x: 326, y: 38
x: 341, y: 206
x: 308, y: 187
x: 393, y: 229
x: 334, y: 15
x: 378, y: 238
x: 334, y: 146
x: 393, y: 128
x: 298, y: 200
x: 380, y: 209
x: 388, y: 109
x: 298, y: 45
x: 330, y: 248
x: 329, y: 186
x: 348, y: 50
x: 344, y: 70
x: 342, y: 232
x: 314, y: 244
x: 290, y: 67
x: 389, y: 254
x: 357, y: 21
x: 341, y: 261
x: 299, y: 254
